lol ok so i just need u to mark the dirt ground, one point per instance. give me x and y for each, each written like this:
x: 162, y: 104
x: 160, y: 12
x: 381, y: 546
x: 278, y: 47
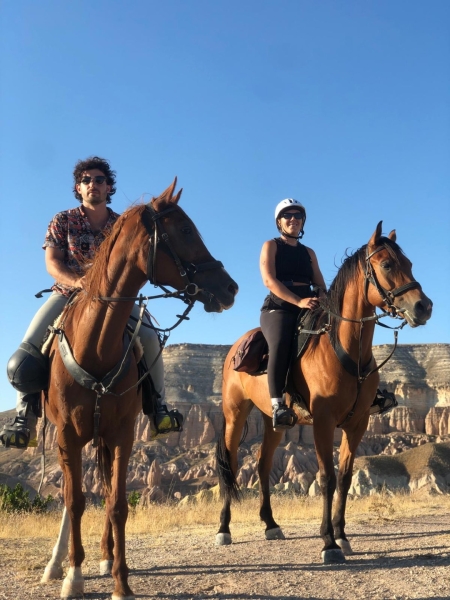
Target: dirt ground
x: 401, y: 559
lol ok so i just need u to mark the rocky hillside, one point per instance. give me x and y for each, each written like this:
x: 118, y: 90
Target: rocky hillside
x: 181, y: 463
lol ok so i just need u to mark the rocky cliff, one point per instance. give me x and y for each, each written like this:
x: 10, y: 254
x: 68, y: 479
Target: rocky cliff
x: 418, y: 374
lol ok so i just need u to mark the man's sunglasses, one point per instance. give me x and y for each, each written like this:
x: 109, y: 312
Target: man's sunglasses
x: 98, y: 179
x: 295, y: 215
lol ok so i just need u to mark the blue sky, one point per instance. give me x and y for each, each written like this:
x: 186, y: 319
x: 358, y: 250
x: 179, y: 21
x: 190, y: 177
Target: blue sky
x: 344, y: 106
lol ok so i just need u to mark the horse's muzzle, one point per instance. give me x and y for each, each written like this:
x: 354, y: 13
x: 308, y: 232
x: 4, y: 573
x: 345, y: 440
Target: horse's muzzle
x: 419, y: 312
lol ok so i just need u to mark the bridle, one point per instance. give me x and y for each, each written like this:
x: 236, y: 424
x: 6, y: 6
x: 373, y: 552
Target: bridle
x: 388, y: 296
x: 155, y: 229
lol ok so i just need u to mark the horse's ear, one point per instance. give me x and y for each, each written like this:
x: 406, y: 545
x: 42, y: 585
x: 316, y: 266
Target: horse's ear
x: 178, y: 196
x: 374, y: 240
x: 393, y: 236
x: 166, y: 197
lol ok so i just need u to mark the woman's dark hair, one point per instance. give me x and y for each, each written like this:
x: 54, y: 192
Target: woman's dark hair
x: 94, y: 162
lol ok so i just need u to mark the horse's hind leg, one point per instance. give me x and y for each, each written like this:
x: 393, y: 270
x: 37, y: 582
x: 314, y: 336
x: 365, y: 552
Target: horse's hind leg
x: 54, y: 569
x: 349, y: 444
x: 227, y: 464
x: 74, y: 500
x: 107, y: 544
x: 269, y: 444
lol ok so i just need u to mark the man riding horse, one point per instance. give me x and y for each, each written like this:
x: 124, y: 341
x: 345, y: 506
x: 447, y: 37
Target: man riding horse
x: 73, y: 237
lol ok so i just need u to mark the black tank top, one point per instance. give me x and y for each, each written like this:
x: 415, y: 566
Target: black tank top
x: 292, y: 264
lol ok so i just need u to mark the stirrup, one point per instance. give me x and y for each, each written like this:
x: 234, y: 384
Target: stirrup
x: 168, y: 421
x: 383, y: 402
x: 283, y: 417
x: 16, y: 435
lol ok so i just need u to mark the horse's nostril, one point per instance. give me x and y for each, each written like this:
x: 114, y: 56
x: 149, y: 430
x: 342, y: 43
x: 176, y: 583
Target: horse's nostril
x: 233, y: 288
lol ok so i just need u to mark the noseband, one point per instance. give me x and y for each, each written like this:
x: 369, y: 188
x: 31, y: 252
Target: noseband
x: 153, y: 224
x: 387, y: 295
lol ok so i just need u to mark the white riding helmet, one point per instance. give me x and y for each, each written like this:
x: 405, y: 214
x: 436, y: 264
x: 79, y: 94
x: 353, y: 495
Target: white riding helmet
x: 288, y: 203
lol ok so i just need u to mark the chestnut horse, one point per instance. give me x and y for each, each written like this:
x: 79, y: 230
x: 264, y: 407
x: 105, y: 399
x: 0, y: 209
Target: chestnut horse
x: 157, y: 242
x: 376, y: 275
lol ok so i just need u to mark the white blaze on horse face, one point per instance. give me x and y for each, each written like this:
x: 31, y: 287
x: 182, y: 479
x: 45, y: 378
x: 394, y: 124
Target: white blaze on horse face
x: 93, y: 193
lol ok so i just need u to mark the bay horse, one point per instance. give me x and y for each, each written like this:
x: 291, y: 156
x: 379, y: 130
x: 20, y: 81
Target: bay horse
x: 156, y: 242
x: 376, y: 275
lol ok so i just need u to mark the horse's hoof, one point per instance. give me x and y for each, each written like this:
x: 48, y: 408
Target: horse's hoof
x: 52, y: 572
x: 73, y: 584
x: 274, y: 534
x: 106, y: 567
x: 223, y: 539
x: 334, y: 556
x: 344, y: 545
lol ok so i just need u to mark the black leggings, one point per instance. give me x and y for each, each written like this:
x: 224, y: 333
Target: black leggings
x: 278, y: 327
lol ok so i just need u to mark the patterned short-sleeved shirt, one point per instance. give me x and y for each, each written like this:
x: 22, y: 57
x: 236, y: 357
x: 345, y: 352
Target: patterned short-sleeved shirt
x: 70, y: 231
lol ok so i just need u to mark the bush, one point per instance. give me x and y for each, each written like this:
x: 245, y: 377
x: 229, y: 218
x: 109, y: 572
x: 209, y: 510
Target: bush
x: 18, y: 500
x: 133, y: 499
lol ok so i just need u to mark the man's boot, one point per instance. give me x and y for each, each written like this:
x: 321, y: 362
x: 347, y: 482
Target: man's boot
x: 22, y: 431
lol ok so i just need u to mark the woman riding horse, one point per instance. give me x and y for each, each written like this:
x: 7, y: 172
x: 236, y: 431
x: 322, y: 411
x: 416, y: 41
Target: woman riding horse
x: 288, y: 269
x: 337, y: 378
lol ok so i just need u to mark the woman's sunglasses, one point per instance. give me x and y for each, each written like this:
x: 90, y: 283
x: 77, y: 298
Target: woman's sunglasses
x: 295, y: 215
x: 98, y: 179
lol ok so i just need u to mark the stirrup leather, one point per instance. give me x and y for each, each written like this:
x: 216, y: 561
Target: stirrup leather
x: 16, y: 435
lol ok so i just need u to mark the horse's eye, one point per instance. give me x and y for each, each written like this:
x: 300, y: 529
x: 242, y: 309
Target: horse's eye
x: 186, y: 229
x: 386, y: 266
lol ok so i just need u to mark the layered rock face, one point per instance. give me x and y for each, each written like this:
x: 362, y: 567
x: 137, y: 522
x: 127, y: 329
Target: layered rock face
x: 418, y: 374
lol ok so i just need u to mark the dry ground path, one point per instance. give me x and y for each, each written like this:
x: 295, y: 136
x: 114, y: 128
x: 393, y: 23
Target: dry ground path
x: 403, y: 558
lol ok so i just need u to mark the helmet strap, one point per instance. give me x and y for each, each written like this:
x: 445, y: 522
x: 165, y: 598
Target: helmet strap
x: 294, y: 237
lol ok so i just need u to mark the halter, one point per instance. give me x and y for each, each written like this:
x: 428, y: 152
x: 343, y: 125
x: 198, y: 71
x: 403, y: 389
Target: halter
x: 387, y: 295
x: 152, y: 223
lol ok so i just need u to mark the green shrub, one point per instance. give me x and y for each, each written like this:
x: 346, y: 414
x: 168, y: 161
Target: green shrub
x: 133, y: 499
x: 18, y: 500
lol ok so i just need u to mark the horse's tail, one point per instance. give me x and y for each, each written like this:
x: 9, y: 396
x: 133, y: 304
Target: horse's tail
x: 104, y: 463
x: 229, y: 487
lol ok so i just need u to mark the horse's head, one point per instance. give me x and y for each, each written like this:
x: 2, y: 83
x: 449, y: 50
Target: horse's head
x: 393, y: 287
x: 179, y: 258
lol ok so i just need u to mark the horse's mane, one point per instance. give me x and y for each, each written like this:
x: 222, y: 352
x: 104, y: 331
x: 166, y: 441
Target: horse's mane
x: 95, y: 273
x: 352, y: 265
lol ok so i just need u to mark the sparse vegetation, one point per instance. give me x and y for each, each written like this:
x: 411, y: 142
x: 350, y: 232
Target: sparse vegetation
x: 159, y: 519
x: 17, y: 500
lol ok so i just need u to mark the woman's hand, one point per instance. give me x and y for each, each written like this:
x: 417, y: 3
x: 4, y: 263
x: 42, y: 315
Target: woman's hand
x: 311, y: 303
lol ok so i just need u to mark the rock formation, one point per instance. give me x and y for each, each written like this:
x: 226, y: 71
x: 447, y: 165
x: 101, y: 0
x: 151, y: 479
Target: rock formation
x: 182, y: 463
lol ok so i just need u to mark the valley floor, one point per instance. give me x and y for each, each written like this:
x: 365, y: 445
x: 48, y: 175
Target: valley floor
x: 400, y: 558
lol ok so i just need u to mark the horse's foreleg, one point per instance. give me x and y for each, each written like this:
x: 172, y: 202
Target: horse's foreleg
x: 54, y: 569
x: 117, y: 512
x: 323, y: 439
x: 74, y: 500
x: 269, y: 444
x: 349, y: 444
x: 107, y: 544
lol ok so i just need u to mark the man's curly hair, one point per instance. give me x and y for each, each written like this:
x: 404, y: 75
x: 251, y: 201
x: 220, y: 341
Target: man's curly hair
x: 94, y: 162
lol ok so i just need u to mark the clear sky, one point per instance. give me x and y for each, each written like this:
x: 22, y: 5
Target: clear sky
x: 342, y: 105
